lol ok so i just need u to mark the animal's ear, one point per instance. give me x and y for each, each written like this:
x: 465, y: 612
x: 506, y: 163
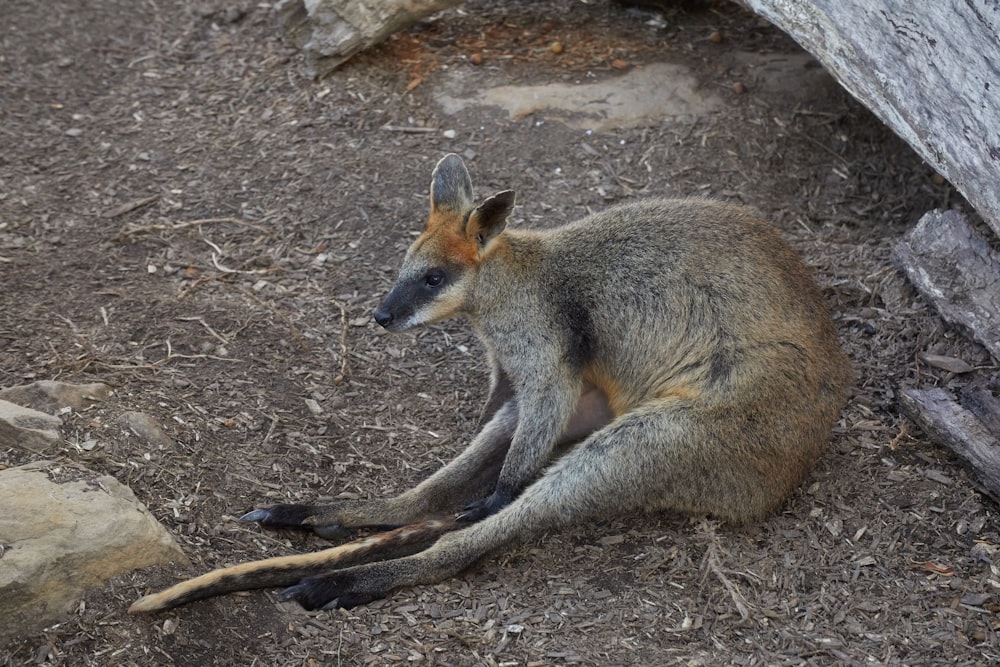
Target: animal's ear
x: 451, y: 186
x: 490, y: 217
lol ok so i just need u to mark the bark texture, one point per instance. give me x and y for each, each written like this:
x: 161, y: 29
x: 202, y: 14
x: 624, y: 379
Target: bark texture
x: 331, y: 31
x: 954, y: 268
x: 961, y: 431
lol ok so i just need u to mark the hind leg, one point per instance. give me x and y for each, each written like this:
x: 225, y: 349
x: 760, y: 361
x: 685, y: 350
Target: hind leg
x: 473, y: 473
x: 468, y: 477
x: 653, y: 458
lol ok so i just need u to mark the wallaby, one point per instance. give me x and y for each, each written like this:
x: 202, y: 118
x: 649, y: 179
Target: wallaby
x: 661, y: 355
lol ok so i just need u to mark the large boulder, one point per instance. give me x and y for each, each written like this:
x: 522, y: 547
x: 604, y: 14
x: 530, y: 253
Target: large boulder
x: 65, y: 529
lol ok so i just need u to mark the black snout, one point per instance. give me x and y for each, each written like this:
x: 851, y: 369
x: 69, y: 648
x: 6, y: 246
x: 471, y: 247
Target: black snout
x: 397, y: 308
x: 383, y: 317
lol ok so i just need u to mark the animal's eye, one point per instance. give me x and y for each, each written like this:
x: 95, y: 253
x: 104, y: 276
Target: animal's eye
x: 434, y: 278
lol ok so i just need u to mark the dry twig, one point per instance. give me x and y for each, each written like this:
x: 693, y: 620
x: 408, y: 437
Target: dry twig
x: 189, y: 223
x: 337, y: 381
x: 296, y: 334
x: 711, y: 562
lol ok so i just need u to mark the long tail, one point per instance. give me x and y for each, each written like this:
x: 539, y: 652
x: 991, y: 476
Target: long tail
x: 287, y: 570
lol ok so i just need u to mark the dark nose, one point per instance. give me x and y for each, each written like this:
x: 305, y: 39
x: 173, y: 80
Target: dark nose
x: 383, y: 317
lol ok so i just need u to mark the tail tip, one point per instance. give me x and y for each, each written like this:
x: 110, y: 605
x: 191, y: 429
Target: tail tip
x: 144, y: 605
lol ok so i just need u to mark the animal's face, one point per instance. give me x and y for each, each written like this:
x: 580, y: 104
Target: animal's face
x: 439, y: 269
x: 434, y: 279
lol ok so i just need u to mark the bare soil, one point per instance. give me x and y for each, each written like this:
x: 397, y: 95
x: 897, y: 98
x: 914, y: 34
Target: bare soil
x: 185, y: 216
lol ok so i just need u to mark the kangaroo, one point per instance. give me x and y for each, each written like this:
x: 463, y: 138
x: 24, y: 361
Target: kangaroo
x: 668, y: 354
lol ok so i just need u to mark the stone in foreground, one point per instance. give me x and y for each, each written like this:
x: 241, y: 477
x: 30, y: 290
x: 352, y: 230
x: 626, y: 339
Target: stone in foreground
x: 65, y: 529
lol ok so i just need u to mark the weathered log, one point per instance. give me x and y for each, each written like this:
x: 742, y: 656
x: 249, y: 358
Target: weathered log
x: 951, y: 425
x: 331, y: 31
x: 982, y: 398
x: 954, y: 268
x: 929, y: 70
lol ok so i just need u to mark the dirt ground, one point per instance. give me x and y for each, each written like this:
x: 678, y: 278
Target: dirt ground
x: 187, y: 217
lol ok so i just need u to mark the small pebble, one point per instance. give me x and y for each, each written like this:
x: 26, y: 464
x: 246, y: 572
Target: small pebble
x: 449, y: 134
x: 74, y: 132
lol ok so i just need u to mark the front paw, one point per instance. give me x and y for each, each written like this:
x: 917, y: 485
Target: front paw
x: 484, y: 507
x: 295, y: 516
x: 343, y: 589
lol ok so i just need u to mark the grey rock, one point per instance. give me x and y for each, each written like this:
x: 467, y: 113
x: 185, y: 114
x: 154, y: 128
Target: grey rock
x: 52, y: 396
x: 146, y: 428
x: 25, y: 428
x: 65, y: 529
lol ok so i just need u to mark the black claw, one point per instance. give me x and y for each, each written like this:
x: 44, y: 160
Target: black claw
x: 256, y: 515
x: 469, y: 515
x: 292, y: 592
x: 484, y: 507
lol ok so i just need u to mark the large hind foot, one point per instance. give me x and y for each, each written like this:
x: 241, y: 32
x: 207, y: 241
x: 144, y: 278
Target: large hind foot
x: 304, y: 517
x: 341, y: 589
